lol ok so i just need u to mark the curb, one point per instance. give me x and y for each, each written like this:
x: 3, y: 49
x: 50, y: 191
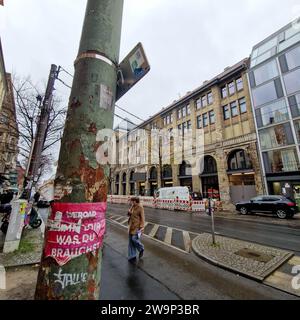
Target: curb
x: 238, y: 271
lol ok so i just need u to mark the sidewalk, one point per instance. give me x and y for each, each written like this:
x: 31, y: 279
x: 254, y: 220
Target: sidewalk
x: 29, y: 253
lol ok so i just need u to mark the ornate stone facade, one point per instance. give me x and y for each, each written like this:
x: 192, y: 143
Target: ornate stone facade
x: 220, y: 110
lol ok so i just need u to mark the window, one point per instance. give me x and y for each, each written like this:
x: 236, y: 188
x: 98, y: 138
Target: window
x: 171, y: 118
x: 292, y: 81
x: 199, y: 122
x: 210, y: 98
x: 266, y: 93
x: 205, y: 120
x: 224, y: 92
x: 239, y: 160
x: 179, y: 127
x: 243, y: 105
x: 179, y: 114
x: 188, y: 109
x: 226, y: 112
x: 189, y: 125
x: 234, y: 109
x: 275, y: 137
x: 198, y: 104
x: 297, y: 128
x: 272, y: 113
x: 294, y: 102
x: 277, y: 161
x: 239, y: 84
x: 212, y: 119
x: 183, y: 112
x: 204, y: 101
x: 231, y: 88
x: 266, y: 72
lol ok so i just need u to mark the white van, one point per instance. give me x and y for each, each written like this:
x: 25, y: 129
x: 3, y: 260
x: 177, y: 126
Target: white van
x: 182, y: 193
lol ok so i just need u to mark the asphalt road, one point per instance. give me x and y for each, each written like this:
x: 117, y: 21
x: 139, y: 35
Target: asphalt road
x: 274, y: 235
x: 165, y: 273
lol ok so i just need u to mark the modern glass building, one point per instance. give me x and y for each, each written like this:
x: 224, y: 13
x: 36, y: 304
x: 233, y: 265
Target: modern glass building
x: 274, y: 80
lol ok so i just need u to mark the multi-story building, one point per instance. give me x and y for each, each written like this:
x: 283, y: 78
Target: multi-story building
x: 220, y: 111
x: 8, y: 139
x: 274, y: 78
x: 3, y: 82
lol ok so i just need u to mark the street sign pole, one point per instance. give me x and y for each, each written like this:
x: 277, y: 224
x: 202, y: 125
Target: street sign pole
x: 70, y: 268
x: 211, y: 213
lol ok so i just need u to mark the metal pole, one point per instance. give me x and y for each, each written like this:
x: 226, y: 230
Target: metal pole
x: 40, y: 137
x: 70, y: 268
x: 211, y: 212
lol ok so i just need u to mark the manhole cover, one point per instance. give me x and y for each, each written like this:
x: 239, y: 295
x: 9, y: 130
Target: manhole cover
x: 254, y: 255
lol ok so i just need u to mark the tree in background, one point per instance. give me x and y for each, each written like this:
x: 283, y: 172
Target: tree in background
x: 28, y: 105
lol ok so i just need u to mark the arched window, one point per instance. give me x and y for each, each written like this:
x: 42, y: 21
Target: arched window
x: 167, y: 171
x: 239, y: 160
x: 185, y: 169
x: 131, y: 176
x: 153, y: 174
x: 210, y: 165
x: 117, y: 178
x: 124, y: 178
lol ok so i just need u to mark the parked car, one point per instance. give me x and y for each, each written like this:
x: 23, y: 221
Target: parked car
x: 281, y: 206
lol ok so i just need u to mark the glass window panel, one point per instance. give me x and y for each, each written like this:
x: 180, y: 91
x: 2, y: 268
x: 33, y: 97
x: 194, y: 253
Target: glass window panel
x: 204, y: 101
x: 275, y: 137
x: 224, y: 92
x: 179, y: 114
x: 189, y: 124
x: 274, y: 113
x: 297, y: 128
x: 188, y: 109
x: 205, y: 120
x: 292, y: 31
x: 231, y: 88
x: 226, y: 112
x: 210, y: 98
x: 239, y: 84
x: 234, y: 109
x: 264, y: 94
x: 243, y: 105
x: 289, y: 42
x: 277, y: 161
x: 267, y: 46
x: 293, y: 58
x: 212, y: 119
x: 199, y: 122
x: 266, y: 72
x: 198, y: 104
x: 183, y: 112
x: 292, y: 81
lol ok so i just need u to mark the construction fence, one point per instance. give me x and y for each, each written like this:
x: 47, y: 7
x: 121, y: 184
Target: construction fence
x: 172, y: 205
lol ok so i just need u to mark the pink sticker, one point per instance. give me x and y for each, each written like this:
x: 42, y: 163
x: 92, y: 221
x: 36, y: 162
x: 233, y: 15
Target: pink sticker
x: 74, y: 229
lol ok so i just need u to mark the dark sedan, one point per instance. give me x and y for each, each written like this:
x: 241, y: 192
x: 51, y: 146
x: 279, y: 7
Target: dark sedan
x: 281, y: 206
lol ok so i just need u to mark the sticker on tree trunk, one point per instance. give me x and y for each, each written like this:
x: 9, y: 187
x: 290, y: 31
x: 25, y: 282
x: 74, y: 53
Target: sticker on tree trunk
x: 74, y: 229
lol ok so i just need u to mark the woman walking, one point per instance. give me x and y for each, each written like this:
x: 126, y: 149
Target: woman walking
x: 136, y: 224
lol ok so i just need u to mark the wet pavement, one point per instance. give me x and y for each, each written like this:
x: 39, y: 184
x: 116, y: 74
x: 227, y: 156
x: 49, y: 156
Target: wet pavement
x: 280, y: 236
x: 166, y: 273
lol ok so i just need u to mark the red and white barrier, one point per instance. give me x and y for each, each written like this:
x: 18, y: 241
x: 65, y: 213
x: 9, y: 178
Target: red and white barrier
x: 166, y: 204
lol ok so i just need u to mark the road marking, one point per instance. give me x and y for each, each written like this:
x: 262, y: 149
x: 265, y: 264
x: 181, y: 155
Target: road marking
x: 186, y: 240
x: 154, y: 230
x: 145, y: 225
x: 113, y: 217
x: 295, y: 261
x: 282, y: 281
x: 168, y: 237
x: 123, y: 221
x: 119, y: 219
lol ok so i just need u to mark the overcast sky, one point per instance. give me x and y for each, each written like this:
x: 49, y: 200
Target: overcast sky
x: 186, y: 41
